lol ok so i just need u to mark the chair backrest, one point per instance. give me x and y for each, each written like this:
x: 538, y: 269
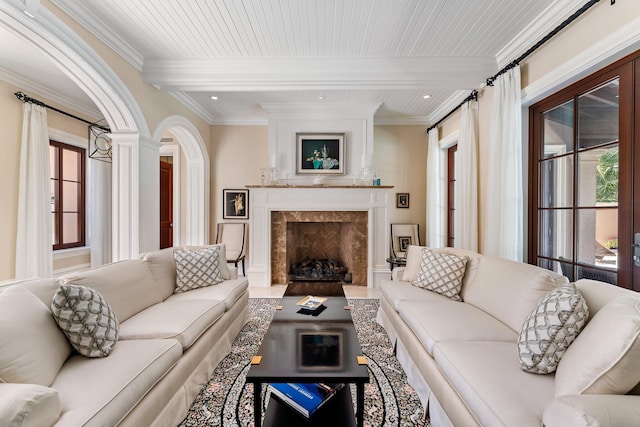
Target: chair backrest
x: 233, y: 235
x: 402, y: 236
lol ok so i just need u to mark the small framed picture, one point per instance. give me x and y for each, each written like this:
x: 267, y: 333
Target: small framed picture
x: 236, y: 204
x: 402, y: 200
x: 404, y: 242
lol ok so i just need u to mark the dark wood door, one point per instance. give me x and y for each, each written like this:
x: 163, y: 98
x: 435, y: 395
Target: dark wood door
x: 166, y: 205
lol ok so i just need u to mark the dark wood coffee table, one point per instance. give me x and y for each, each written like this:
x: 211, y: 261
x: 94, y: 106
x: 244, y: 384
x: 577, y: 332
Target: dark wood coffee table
x: 283, y: 359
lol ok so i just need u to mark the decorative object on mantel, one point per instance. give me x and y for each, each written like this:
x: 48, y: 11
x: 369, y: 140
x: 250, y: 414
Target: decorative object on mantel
x: 320, y: 153
x: 318, y: 181
x: 236, y: 204
x: 402, y: 200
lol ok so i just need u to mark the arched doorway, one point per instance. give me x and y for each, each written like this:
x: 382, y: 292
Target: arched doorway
x: 83, y: 66
x: 196, y: 175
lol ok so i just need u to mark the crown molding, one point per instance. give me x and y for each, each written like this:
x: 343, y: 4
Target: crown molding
x: 79, y: 12
x: 38, y: 90
x: 401, y: 121
x: 363, y: 110
x: 549, y: 19
x: 194, y: 106
x: 449, y: 104
x: 321, y: 73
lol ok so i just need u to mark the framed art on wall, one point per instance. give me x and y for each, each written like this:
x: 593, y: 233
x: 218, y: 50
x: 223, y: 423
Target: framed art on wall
x: 236, y: 204
x: 320, y: 153
x: 402, y: 200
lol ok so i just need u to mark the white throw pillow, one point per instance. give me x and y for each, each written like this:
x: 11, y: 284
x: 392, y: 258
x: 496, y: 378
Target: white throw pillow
x: 86, y: 319
x: 32, y: 347
x: 28, y: 405
x: 197, y: 268
x: 441, y: 273
x: 553, y: 324
x: 605, y: 358
x: 412, y: 269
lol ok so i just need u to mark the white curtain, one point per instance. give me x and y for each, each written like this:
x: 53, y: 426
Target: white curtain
x: 504, y: 225
x: 466, y: 173
x: 100, y: 213
x: 34, y: 247
x: 435, y: 207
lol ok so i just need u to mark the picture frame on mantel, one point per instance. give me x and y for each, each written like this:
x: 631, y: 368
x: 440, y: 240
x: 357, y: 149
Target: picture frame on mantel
x: 320, y: 154
x: 236, y: 204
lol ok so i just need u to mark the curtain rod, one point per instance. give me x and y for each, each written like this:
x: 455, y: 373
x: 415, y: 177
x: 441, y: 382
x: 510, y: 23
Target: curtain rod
x: 517, y: 61
x: 24, y: 98
x: 472, y: 97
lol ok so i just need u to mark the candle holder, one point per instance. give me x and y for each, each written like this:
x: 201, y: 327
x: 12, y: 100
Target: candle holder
x: 273, y: 176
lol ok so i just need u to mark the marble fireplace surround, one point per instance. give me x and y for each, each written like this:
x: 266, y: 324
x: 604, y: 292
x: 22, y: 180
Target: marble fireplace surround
x: 355, y: 204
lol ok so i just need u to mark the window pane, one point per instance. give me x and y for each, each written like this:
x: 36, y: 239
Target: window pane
x: 597, y: 237
x: 557, y: 182
x: 70, y: 199
x: 52, y: 162
x: 53, y: 195
x: 598, y: 176
x: 558, y: 130
x: 54, y: 230
x: 70, y: 228
x: 598, y: 115
x: 70, y: 165
x: 556, y: 235
x: 563, y: 268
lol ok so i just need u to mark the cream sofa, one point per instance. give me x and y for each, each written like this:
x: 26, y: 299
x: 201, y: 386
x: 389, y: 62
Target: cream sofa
x: 461, y: 357
x: 168, y: 346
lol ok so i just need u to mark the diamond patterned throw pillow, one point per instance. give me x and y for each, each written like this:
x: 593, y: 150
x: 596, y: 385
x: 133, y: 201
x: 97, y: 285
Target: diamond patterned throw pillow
x: 197, y: 268
x: 86, y: 319
x: 441, y: 273
x: 550, y: 328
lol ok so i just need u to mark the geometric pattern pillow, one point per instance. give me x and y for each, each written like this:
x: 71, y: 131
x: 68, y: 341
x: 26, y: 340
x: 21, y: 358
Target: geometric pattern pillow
x: 441, y: 273
x: 550, y: 328
x: 86, y: 319
x: 197, y: 268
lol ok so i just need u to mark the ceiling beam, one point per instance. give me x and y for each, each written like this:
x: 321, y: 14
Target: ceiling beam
x: 286, y: 73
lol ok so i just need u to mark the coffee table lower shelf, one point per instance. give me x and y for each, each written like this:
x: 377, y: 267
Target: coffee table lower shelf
x: 337, y: 412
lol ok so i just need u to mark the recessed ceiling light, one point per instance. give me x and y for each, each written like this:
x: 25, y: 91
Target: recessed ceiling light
x: 427, y: 96
x: 29, y: 14
x: 215, y: 98
x: 321, y: 97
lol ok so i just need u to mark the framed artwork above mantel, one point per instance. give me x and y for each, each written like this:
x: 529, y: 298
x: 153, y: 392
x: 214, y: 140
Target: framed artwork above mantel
x: 320, y: 154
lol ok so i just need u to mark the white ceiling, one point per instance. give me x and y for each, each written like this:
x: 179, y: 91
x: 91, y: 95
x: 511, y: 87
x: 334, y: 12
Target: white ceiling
x: 254, y: 52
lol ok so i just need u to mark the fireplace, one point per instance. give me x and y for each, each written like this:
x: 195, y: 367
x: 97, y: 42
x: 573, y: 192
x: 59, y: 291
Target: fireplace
x: 320, y: 236
x: 272, y: 208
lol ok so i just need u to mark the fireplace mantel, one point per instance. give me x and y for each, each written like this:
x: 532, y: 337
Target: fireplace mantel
x: 266, y: 199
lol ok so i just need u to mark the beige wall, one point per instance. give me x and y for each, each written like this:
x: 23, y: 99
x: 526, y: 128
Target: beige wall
x: 400, y: 158
x: 601, y: 20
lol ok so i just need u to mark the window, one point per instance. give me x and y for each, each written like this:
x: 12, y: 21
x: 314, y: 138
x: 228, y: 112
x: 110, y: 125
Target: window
x: 67, y: 168
x: 451, y: 186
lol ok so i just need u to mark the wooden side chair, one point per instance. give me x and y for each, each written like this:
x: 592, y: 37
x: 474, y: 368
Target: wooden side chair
x: 233, y: 235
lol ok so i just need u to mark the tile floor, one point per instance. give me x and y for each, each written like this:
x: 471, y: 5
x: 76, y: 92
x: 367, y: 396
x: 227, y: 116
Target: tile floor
x: 276, y: 291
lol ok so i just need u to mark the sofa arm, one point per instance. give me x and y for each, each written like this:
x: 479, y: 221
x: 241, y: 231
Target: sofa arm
x: 590, y: 410
x: 396, y: 273
x: 233, y: 272
x: 28, y: 405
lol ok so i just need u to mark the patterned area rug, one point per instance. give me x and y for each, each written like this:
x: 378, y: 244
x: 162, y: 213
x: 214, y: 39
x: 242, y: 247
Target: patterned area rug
x: 226, y: 401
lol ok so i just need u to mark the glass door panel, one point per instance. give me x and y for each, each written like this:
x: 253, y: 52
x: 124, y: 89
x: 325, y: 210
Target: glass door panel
x: 598, y: 115
x: 557, y: 182
x: 558, y: 130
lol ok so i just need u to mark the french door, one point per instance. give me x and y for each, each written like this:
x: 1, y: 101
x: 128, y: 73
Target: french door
x: 583, y: 211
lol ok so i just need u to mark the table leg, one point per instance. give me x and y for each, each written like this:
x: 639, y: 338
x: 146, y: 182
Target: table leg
x: 360, y: 404
x: 257, y: 404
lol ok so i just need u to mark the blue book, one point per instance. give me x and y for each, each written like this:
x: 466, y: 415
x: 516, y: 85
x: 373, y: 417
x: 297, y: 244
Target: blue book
x: 305, y: 398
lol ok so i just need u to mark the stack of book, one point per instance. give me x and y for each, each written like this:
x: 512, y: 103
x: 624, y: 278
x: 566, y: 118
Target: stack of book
x: 311, y: 303
x: 306, y: 398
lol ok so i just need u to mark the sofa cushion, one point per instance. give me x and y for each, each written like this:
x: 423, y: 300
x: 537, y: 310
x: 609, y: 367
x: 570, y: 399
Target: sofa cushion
x: 183, y: 321
x: 598, y: 294
x: 163, y: 267
x: 228, y: 292
x: 86, y: 319
x: 42, y: 288
x: 605, y: 358
x: 508, y: 290
x: 196, y: 268
x: 441, y: 273
x: 551, y: 327
x: 33, y: 347
x: 487, y: 377
x: 414, y: 254
x: 28, y: 405
x: 397, y: 291
x: 102, y: 391
x: 446, y: 320
x: 128, y: 286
